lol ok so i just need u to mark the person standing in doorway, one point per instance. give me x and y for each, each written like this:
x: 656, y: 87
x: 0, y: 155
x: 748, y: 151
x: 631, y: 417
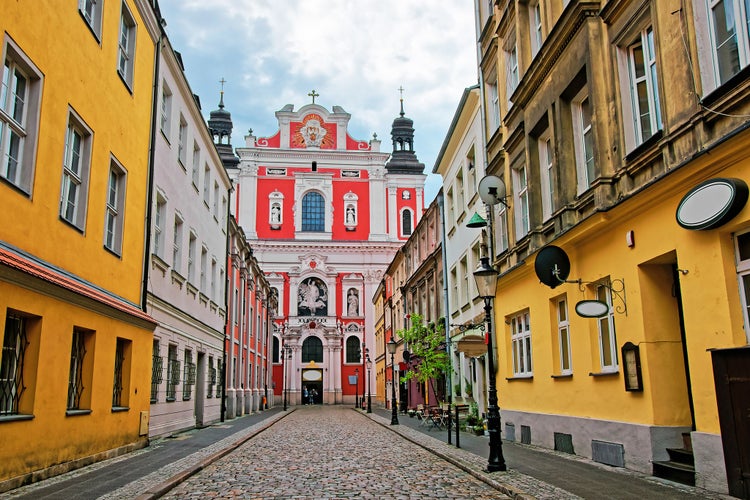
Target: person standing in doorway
x: 305, y: 395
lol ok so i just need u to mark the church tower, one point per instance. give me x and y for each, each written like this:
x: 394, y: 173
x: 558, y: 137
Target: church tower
x: 220, y: 126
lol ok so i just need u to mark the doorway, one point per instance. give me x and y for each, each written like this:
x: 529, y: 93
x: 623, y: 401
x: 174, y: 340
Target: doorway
x: 312, y: 379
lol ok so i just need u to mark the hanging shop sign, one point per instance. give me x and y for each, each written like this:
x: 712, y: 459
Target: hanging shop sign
x: 472, y: 346
x: 592, y: 308
x: 712, y: 203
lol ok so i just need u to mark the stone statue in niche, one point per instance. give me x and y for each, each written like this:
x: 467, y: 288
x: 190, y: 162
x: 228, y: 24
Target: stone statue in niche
x: 275, y: 214
x: 351, y: 216
x: 312, y: 298
x: 352, y: 300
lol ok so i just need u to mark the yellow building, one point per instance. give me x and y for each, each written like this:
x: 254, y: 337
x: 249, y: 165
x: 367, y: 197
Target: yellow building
x: 75, y: 123
x: 614, y: 126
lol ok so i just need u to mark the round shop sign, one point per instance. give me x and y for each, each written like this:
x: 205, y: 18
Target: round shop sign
x: 592, y: 308
x: 712, y: 203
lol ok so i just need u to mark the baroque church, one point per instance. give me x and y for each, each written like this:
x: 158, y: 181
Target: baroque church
x: 324, y: 214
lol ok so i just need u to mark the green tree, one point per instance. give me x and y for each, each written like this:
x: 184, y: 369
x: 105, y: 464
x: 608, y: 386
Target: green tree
x: 426, y: 344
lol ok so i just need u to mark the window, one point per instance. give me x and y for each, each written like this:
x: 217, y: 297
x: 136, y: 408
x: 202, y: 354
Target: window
x: 276, y: 350
x: 192, y: 242
x: 166, y: 111
x: 126, y: 46
x: 216, y: 201
x: 196, y: 165
x: 501, y: 228
x: 521, y: 195
x: 644, y: 92
x: 312, y: 350
x: 173, y: 372
x: 606, y: 327
x: 160, y: 218
x: 223, y: 212
x: 545, y: 174
x: 472, y: 173
x: 188, y: 376
x: 460, y: 198
x: 454, y: 289
x: 742, y: 249
x: 464, y: 270
x: 511, y: 71
x: 115, y: 206
x: 493, y: 118
x: 177, y: 243
x: 535, y: 21
x: 20, y: 96
x: 15, y: 342
x: 729, y: 21
x: 75, y: 377
x: 449, y: 200
x: 204, y: 268
x: 313, y: 212
x: 353, y: 351
x: 520, y: 336
x: 206, y: 185
x: 583, y: 141
x: 211, y: 378
x: 122, y: 374
x: 563, y: 337
x: 91, y: 10
x: 182, y: 142
x: 74, y: 192
x: 406, y: 222
x: 157, y: 371
x: 213, y: 280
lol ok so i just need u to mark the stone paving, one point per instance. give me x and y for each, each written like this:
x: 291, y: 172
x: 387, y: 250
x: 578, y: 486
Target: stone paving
x: 332, y: 452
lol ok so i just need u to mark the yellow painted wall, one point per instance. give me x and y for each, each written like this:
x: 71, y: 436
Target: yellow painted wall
x: 82, y: 73
x: 597, y: 249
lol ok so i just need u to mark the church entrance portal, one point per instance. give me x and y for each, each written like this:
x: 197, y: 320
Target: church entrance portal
x: 312, y: 378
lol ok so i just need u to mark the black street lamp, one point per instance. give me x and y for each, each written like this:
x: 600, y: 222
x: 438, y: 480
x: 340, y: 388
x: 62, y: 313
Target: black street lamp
x: 394, y: 413
x: 486, y: 278
x: 356, y: 388
x: 286, y: 354
x: 369, y: 394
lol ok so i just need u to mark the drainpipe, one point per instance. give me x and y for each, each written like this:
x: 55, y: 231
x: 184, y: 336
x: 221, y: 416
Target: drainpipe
x: 446, y: 305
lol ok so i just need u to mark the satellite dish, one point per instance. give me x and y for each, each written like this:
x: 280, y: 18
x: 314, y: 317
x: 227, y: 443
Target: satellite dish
x: 592, y: 308
x: 492, y: 190
x: 552, y: 266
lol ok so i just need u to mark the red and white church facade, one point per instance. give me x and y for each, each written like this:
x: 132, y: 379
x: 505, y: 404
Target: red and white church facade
x: 324, y: 214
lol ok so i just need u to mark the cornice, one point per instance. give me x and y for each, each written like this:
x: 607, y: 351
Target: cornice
x: 304, y: 155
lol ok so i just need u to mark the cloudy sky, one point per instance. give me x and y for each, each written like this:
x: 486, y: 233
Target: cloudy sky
x: 354, y: 54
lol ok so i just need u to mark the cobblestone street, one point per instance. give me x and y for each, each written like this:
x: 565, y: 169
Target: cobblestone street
x: 332, y: 452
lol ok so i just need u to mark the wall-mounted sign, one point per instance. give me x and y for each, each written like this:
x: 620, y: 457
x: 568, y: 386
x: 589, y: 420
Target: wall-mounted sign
x: 712, y: 203
x: 592, y: 308
x: 631, y: 361
x: 472, y: 346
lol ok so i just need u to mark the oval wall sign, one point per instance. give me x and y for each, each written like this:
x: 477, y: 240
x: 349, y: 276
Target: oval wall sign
x: 712, y: 203
x: 592, y: 308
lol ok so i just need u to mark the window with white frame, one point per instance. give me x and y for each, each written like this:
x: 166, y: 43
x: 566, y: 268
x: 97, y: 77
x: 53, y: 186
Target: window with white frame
x: 742, y: 251
x: 471, y: 173
x: 224, y: 212
x: 20, y: 96
x: 520, y: 337
x: 207, y: 185
x: 460, y: 198
x: 177, y: 242
x: 91, y: 11
x: 449, y: 202
x: 126, y: 46
x: 114, y: 213
x: 501, y: 228
x: 729, y: 33
x: 204, y: 269
x: 192, y: 248
x: 75, y: 178
x: 546, y: 164
x: 511, y: 71
x: 406, y: 222
x: 313, y: 212
x: 216, y: 201
x: 196, y: 165
x: 521, y: 199
x: 493, y: 96
x: 607, y: 336
x: 464, y: 268
x: 182, y: 141
x: 535, y: 28
x: 583, y: 139
x: 165, y: 118
x: 643, y: 86
x: 160, y: 218
x: 563, y: 336
x: 454, y: 290
x: 213, y: 279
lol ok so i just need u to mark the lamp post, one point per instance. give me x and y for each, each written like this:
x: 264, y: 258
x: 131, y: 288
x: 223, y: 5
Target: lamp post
x: 356, y: 388
x: 394, y: 413
x: 369, y: 394
x: 486, y: 278
x: 286, y: 350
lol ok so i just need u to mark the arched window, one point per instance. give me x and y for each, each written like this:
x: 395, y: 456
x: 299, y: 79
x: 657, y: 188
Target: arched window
x: 312, y: 350
x: 276, y: 350
x: 406, y: 222
x: 353, y: 352
x: 313, y: 212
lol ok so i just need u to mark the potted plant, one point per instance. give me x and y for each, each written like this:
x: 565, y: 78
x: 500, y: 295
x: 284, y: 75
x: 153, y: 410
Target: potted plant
x: 478, y: 429
x: 411, y: 412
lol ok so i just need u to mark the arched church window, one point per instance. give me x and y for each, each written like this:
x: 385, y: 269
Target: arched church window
x: 312, y: 350
x: 312, y: 298
x: 353, y: 351
x: 313, y: 212
x: 406, y: 222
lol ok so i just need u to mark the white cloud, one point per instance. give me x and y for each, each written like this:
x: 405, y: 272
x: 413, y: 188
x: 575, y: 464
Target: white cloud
x: 354, y: 54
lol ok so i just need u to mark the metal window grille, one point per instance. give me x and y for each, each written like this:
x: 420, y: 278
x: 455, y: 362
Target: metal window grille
x: 11, y: 365
x: 157, y: 373
x: 75, y: 379
x: 188, y: 377
x: 211, y: 378
x: 219, y: 379
x: 117, y: 386
x: 173, y: 373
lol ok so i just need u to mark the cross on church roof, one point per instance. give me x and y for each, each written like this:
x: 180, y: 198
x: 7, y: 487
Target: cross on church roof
x: 313, y: 94
x: 222, y: 82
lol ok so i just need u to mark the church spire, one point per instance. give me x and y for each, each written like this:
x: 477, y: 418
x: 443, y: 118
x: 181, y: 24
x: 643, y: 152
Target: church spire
x: 220, y: 125
x: 403, y: 159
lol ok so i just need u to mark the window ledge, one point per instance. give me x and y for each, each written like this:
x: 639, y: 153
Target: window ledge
x: 15, y: 418
x: 118, y: 409
x: 520, y: 377
x: 604, y: 374
x: 76, y: 412
x: 562, y: 375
